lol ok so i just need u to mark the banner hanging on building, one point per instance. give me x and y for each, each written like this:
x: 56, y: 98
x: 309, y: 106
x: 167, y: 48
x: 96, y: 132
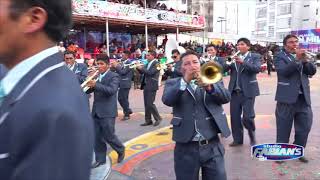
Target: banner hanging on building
x: 309, y: 39
x: 135, y: 13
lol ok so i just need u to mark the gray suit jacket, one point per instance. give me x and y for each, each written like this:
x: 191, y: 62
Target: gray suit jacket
x: 248, y: 75
x: 126, y: 75
x: 291, y: 75
x: 81, y: 71
x: 105, y: 96
x: 183, y: 104
x: 3, y: 71
x: 48, y: 133
x: 150, y: 77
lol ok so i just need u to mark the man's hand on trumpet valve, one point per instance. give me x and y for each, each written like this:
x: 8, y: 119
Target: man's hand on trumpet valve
x: 301, y: 55
x: 91, y: 84
x: 238, y: 60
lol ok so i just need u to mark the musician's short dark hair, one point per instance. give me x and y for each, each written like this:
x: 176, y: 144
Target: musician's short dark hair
x: 211, y: 45
x: 69, y: 52
x: 127, y: 52
x: 288, y: 37
x: 153, y: 53
x: 187, y: 53
x: 59, y: 15
x: 175, y: 51
x: 245, y: 40
x: 104, y: 58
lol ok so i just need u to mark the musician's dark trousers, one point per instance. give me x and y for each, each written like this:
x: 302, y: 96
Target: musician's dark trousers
x: 241, y: 105
x: 123, y: 98
x: 190, y: 157
x: 298, y: 113
x: 150, y: 107
x: 105, y: 133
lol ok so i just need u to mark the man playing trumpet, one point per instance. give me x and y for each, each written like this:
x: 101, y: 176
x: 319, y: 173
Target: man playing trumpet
x: 126, y: 76
x: 243, y: 87
x: 104, y: 111
x: 198, y: 118
x: 293, y: 93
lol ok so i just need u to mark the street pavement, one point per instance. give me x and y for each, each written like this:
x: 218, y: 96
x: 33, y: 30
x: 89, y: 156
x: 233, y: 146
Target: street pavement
x: 146, y: 160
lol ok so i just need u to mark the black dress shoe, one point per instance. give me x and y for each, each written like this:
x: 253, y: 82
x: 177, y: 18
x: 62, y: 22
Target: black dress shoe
x: 130, y: 111
x: 157, y: 123
x: 121, y: 156
x: 146, y: 124
x: 234, y: 144
x: 125, y: 118
x: 304, y: 160
x: 279, y: 162
x: 97, y: 164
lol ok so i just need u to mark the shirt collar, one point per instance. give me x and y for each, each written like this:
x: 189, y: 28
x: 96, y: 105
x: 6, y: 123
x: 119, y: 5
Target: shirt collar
x: 20, y: 70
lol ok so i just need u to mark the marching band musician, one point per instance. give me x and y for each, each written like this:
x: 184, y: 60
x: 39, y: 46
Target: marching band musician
x: 198, y: 118
x: 293, y: 93
x: 212, y: 56
x: 104, y: 111
x: 243, y: 87
x: 173, y: 70
x: 80, y: 69
x: 150, y: 87
x: 126, y: 75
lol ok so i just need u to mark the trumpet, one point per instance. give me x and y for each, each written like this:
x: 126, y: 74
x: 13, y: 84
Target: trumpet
x: 84, y: 85
x: 230, y: 58
x: 210, y: 73
x: 134, y: 64
x: 311, y: 55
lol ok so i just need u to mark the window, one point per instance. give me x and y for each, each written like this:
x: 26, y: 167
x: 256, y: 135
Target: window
x: 317, y: 11
x: 307, y: 5
x: 270, y: 31
x: 271, y: 17
x: 272, y: 5
x: 305, y: 20
x: 284, y: 9
x: 281, y: 35
x: 261, y: 26
x: 262, y: 12
x: 283, y: 23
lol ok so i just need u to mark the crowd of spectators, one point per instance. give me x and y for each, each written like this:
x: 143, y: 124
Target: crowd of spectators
x: 140, y: 3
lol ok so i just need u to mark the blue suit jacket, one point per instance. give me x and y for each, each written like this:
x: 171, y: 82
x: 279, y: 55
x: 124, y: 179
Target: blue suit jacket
x: 3, y: 71
x: 126, y: 75
x: 291, y: 75
x: 81, y: 71
x: 105, y: 96
x: 48, y: 133
x: 150, y: 77
x: 183, y: 104
x: 248, y: 76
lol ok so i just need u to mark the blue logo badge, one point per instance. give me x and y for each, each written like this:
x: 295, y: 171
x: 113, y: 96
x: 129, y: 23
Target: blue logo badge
x: 277, y: 152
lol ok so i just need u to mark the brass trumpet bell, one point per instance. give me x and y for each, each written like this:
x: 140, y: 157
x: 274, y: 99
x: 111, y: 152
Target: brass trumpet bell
x: 211, y: 72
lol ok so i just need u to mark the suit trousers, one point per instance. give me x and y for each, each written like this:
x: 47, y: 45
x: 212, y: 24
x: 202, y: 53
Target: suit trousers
x: 241, y: 104
x: 190, y: 157
x: 123, y: 98
x: 299, y: 113
x: 105, y: 133
x: 150, y: 107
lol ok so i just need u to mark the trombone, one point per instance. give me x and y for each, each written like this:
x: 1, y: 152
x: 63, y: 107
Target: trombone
x: 84, y: 85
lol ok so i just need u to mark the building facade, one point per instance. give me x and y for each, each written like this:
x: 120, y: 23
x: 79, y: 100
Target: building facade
x: 277, y: 18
